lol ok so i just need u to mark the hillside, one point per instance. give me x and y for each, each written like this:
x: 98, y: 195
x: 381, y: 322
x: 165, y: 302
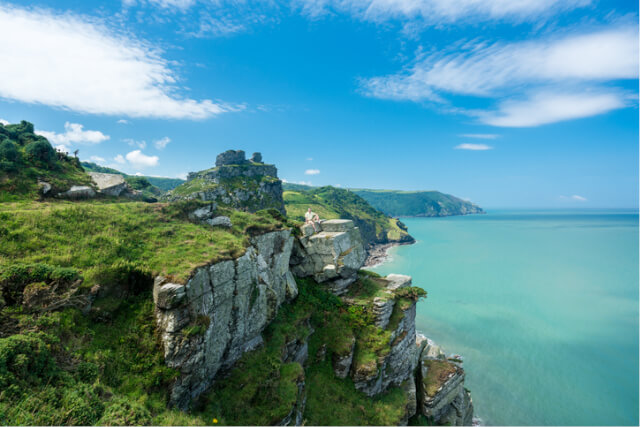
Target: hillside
x: 330, y: 202
x: 27, y: 158
x: 417, y: 203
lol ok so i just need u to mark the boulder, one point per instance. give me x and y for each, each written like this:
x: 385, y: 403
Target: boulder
x: 332, y: 256
x: 256, y: 158
x: 110, y: 184
x: 78, y: 192
x: 44, y: 186
x: 222, y: 221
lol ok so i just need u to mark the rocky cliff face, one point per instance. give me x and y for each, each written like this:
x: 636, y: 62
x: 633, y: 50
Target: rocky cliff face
x: 209, y: 322
x: 247, y: 185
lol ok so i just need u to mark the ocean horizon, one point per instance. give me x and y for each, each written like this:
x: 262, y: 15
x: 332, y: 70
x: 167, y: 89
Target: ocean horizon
x: 541, y: 303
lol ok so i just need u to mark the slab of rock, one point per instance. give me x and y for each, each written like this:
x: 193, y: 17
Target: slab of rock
x: 222, y: 221
x: 109, y: 183
x: 78, y: 192
x: 397, y: 281
x: 332, y: 256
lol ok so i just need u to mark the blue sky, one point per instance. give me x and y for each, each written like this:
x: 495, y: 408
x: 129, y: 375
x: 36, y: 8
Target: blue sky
x: 508, y: 104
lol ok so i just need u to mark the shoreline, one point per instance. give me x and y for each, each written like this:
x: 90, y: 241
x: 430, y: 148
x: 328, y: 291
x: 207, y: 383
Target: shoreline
x: 377, y: 254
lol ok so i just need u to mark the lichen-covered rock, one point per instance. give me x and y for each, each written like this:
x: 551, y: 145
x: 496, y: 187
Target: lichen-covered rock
x: 342, y: 363
x: 382, y: 309
x: 332, y: 256
x: 208, y: 323
x: 442, y: 397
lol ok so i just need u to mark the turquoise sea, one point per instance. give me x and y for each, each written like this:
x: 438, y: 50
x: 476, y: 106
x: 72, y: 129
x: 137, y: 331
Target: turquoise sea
x: 543, y: 305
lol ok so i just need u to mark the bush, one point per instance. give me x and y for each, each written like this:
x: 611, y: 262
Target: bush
x: 9, y: 151
x: 25, y: 359
x: 123, y: 412
x: 41, y: 150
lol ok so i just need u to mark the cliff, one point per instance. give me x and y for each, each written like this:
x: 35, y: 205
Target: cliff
x: 248, y: 185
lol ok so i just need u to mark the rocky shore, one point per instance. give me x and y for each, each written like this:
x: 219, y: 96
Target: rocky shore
x: 378, y: 253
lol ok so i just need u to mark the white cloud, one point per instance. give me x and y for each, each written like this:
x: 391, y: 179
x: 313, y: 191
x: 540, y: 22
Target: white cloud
x: 162, y: 142
x: 135, y: 143
x: 309, y: 159
x: 96, y: 159
x: 89, y: 69
x: 179, y: 4
x: 122, y: 122
x: 4, y: 122
x: 545, y: 108
x: 440, y: 11
x: 304, y: 182
x: 74, y: 133
x: 138, y: 159
x: 312, y: 172
x: 480, y: 135
x: 119, y: 159
x: 473, y: 147
x: 62, y: 149
x: 574, y: 198
x: 482, y: 70
x: 182, y: 175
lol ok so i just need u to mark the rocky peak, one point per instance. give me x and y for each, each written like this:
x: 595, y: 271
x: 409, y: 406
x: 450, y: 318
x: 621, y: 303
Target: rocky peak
x: 231, y: 157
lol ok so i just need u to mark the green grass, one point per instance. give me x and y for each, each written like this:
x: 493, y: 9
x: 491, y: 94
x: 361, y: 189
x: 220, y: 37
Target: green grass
x: 101, y: 238
x: 438, y: 372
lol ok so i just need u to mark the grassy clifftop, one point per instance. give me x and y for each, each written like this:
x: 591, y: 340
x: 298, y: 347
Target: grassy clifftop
x: 331, y: 203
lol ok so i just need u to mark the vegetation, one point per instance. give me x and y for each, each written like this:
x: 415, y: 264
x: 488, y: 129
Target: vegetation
x: 438, y: 371
x: 330, y: 203
x: 416, y: 203
x: 107, y: 240
x: 26, y: 158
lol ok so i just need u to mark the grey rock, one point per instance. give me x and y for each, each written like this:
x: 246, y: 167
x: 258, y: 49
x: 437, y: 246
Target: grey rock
x: 240, y: 297
x: 78, y: 192
x: 223, y: 221
x: 230, y: 157
x: 342, y: 363
x: 44, y: 186
x: 397, y: 281
x: 382, y: 309
x: 256, y: 158
x: 109, y: 183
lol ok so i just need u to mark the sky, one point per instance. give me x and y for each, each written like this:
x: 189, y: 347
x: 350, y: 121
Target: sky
x: 530, y: 103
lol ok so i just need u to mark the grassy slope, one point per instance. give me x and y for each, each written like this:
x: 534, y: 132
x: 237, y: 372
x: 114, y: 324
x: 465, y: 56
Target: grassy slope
x: 97, y: 236
x: 415, y: 203
x: 19, y: 177
x: 330, y: 203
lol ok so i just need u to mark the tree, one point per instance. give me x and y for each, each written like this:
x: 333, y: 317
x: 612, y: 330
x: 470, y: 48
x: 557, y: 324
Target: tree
x: 41, y: 150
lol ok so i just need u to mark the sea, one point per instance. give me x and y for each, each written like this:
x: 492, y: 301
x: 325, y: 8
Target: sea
x: 541, y: 304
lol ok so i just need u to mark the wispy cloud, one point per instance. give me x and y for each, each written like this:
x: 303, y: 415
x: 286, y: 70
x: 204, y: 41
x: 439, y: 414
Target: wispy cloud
x: 545, y: 108
x: 312, y: 172
x: 71, y: 62
x: 136, y: 143
x: 119, y: 159
x: 574, y: 66
x: 97, y: 159
x: 574, y: 198
x: 480, y: 135
x: 433, y: 12
x: 161, y: 143
x: 74, y: 133
x: 138, y: 159
x: 473, y: 147
x: 122, y: 122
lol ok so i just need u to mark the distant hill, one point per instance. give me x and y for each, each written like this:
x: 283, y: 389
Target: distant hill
x: 330, y: 203
x: 26, y: 158
x: 164, y: 184
x: 397, y: 203
x: 417, y: 203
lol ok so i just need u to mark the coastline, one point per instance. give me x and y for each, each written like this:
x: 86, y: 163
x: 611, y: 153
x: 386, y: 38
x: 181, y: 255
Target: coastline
x: 377, y: 254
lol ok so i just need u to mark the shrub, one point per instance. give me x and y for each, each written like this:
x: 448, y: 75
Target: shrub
x: 412, y: 292
x: 9, y: 151
x: 25, y: 358
x: 124, y: 412
x: 41, y: 150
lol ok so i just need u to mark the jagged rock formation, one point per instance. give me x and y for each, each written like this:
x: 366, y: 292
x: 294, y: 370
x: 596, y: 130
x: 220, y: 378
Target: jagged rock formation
x: 219, y: 314
x: 332, y: 256
x: 113, y: 184
x: 208, y: 323
x: 247, y: 185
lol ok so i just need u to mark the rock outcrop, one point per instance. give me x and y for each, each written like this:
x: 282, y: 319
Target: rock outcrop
x: 77, y: 192
x: 235, y: 182
x: 110, y: 184
x: 209, y: 322
x: 332, y: 256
